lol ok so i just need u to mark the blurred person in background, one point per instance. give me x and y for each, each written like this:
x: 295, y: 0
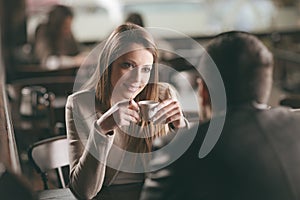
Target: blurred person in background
x: 55, y: 45
x: 135, y: 18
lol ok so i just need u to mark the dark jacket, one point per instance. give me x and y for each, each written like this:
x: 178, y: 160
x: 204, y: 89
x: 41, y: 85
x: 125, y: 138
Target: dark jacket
x: 257, y: 157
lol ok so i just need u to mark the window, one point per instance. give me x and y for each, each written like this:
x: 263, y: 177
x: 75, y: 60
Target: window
x: 94, y: 19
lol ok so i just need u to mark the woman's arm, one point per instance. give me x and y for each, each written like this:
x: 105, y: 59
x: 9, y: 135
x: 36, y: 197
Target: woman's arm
x: 90, y: 141
x: 87, y: 162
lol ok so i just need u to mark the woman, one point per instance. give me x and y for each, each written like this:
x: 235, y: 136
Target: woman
x: 55, y: 45
x: 102, y: 134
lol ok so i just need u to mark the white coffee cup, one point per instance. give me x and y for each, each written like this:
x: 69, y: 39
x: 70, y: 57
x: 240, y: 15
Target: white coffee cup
x: 147, y: 109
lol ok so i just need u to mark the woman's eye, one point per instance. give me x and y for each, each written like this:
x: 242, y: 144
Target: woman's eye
x: 146, y: 69
x: 127, y: 65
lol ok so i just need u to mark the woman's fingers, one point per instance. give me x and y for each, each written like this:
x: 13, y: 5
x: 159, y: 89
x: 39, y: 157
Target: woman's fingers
x: 128, y: 111
x: 129, y: 115
x: 167, y: 111
x: 168, y: 118
x: 133, y: 105
x: 121, y: 114
x: 129, y: 104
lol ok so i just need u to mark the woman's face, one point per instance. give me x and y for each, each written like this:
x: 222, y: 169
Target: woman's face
x: 130, y: 73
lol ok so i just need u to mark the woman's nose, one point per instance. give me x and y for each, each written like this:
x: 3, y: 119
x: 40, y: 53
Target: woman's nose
x: 136, y: 74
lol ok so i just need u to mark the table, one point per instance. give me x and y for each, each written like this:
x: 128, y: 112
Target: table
x: 60, y: 194
x: 126, y: 191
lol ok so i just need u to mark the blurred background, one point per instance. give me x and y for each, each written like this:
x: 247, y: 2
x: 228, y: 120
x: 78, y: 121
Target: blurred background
x: 94, y: 19
x: 276, y: 22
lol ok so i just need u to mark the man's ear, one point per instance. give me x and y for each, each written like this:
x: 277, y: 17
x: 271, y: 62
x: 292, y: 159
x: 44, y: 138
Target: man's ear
x: 203, y: 92
x: 200, y: 87
x: 204, y: 100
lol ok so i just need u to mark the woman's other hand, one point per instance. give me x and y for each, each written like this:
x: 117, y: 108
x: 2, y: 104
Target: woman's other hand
x: 169, y: 112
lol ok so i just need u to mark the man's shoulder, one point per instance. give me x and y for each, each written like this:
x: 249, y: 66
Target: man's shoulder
x: 281, y: 115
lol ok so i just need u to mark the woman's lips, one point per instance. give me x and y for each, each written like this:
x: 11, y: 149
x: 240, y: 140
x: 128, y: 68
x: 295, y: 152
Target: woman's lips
x: 132, y: 88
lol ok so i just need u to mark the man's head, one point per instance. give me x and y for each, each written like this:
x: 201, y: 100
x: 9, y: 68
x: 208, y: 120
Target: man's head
x: 245, y: 64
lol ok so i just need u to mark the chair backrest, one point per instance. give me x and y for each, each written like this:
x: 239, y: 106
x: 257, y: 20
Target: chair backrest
x: 50, y: 154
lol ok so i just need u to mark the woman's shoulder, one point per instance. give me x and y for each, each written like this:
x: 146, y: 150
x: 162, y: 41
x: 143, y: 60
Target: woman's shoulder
x: 82, y: 102
x: 81, y: 95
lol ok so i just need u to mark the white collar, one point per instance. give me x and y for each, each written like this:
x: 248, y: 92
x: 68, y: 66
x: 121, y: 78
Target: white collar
x: 260, y: 106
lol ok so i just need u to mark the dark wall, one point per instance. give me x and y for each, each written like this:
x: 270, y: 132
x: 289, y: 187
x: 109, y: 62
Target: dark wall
x: 8, y: 150
x: 13, y: 20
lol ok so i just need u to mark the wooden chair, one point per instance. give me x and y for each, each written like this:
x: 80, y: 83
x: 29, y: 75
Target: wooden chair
x: 50, y: 154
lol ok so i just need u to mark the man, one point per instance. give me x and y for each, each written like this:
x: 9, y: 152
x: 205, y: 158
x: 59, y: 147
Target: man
x: 257, y: 156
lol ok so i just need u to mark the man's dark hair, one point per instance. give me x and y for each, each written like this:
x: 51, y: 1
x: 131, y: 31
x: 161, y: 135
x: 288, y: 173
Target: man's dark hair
x: 245, y: 64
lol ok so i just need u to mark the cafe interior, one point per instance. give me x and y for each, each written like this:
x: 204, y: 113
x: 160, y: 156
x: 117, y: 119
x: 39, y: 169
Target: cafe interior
x: 33, y: 93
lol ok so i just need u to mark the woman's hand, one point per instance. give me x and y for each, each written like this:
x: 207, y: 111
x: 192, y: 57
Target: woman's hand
x: 121, y: 114
x: 169, y: 112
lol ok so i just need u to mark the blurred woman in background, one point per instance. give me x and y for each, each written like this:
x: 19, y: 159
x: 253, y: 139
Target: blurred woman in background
x: 55, y: 45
